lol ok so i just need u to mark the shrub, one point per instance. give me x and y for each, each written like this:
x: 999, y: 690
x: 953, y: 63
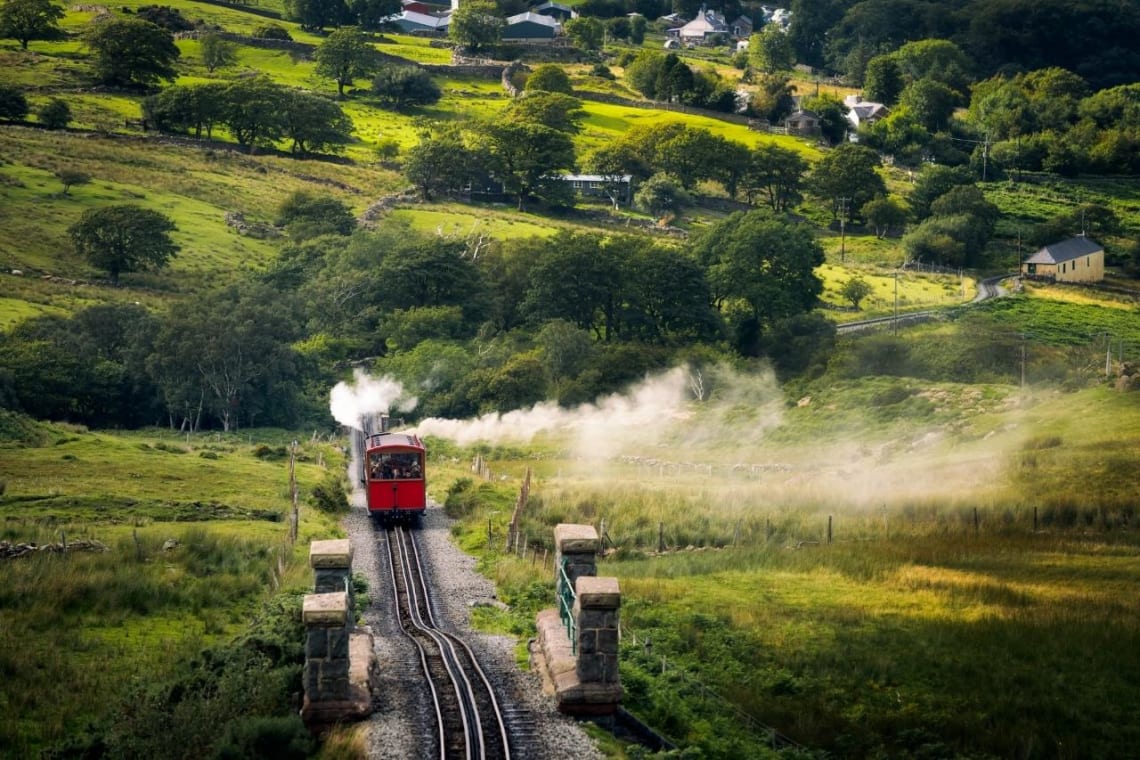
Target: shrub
x: 13, y: 104
x: 328, y: 495
x: 272, y: 32
x: 264, y: 451
x: 280, y: 738
x: 461, y: 498
x: 55, y: 114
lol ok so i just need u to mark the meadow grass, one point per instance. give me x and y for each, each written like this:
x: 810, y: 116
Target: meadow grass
x: 924, y: 626
x: 916, y: 291
x: 194, y: 544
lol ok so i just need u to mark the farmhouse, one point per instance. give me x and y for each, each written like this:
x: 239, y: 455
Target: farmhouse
x: 1078, y: 259
x: 531, y: 27
x: 863, y: 112
x: 805, y: 123
x: 708, y: 28
x: 414, y: 22
x: 615, y: 187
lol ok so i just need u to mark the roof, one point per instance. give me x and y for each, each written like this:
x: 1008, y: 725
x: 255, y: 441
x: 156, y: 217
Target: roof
x: 1066, y: 250
x: 536, y: 18
x: 707, y: 22
x: 412, y: 19
x: 597, y: 177
x: 553, y: 7
x: 391, y: 440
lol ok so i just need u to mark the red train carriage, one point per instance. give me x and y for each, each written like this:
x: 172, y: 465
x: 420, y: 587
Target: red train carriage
x: 394, y: 476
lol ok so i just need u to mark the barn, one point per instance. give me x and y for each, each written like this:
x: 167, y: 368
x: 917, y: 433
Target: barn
x: 1078, y: 259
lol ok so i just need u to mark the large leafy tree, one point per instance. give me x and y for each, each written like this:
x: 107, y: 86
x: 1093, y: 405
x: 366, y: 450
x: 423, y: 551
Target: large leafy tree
x: 527, y: 158
x: 572, y: 279
x: 770, y: 50
x: 315, y: 15
x: 218, y: 52
x: 27, y: 20
x: 124, y: 238
x: 440, y: 164
x: 476, y: 24
x: 776, y: 175
x: 847, y: 177
x: 253, y: 111
x: 549, y: 77
x: 346, y: 55
x: 315, y: 123
x: 763, y: 262
x: 130, y: 52
x: 13, y: 102
x: 551, y: 109
x: 195, y: 108
x: 229, y: 354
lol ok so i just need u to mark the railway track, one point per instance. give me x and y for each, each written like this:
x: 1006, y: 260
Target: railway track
x: 469, y: 720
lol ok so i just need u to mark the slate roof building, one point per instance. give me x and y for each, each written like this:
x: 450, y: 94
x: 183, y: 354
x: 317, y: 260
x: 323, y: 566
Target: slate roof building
x: 1078, y: 259
x: 531, y: 27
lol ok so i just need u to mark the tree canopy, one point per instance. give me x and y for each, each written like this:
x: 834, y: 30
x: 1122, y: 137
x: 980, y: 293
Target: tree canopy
x: 27, y: 20
x: 123, y: 238
x: 130, y: 52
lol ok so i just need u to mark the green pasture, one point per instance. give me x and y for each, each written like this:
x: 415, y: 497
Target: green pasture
x: 463, y: 222
x: 416, y: 49
x: 195, y: 529
x: 916, y: 291
x: 976, y: 598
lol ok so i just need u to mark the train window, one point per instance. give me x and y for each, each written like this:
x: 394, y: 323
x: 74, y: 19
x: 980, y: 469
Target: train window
x: 397, y: 466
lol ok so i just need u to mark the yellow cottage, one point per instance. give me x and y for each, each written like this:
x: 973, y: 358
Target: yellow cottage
x: 1078, y: 259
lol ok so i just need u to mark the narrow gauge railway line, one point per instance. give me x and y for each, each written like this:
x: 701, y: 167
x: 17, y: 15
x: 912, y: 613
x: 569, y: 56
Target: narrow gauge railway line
x: 469, y: 720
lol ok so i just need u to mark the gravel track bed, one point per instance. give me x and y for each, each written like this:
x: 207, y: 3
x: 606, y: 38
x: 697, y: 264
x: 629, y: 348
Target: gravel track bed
x: 401, y: 727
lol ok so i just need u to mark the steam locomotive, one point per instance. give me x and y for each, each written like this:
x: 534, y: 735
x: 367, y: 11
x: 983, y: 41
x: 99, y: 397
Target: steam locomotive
x: 392, y: 472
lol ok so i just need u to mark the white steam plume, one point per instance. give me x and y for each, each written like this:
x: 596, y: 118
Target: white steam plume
x: 368, y: 395
x: 644, y: 416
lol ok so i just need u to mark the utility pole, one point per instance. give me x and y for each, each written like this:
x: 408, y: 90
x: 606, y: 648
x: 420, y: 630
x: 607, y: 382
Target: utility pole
x: 895, y: 322
x: 843, y: 228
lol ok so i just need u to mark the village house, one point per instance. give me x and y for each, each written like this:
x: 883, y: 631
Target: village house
x: 803, y: 123
x: 708, y: 28
x: 617, y: 188
x: 1078, y: 259
x: 863, y: 112
x: 531, y: 27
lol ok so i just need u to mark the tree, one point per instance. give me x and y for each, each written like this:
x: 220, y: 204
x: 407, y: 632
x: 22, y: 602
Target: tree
x: 314, y: 123
x: 27, y: 20
x: 764, y: 263
x: 194, y: 108
x: 441, y: 164
x: 882, y: 80
x: 344, y: 56
x: 476, y: 24
x: 371, y: 14
x: 772, y: 99
x: 527, y: 157
x: 637, y: 26
x: 884, y: 214
x: 930, y: 102
x: 847, y: 176
x: 661, y: 196
x: 855, y: 290
x: 130, y: 52
x: 70, y: 177
x: 228, y: 354
x: 217, y: 52
x: 690, y: 155
x: 571, y: 279
x: 933, y: 182
x: 549, y: 77
x: 124, y: 238
x: 552, y: 109
x: 776, y: 174
x: 13, y: 103
x: 306, y: 215
x: 770, y: 50
x: 315, y: 15
x: 55, y: 114
x: 587, y: 32
x: 253, y: 111
x: 401, y: 87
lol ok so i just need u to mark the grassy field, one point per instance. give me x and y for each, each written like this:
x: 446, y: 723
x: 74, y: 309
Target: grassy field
x: 976, y: 599
x: 196, y: 536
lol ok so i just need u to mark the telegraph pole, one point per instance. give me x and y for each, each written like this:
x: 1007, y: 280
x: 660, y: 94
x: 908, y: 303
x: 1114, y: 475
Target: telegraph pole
x: 843, y: 229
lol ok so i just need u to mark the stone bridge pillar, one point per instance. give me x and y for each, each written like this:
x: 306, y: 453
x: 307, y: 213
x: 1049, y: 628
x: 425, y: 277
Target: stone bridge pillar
x: 339, y: 664
x: 577, y: 645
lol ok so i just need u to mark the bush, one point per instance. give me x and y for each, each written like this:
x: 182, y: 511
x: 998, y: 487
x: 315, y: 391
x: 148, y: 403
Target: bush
x: 272, y: 32
x: 55, y: 114
x: 461, y: 498
x: 329, y: 496
x: 13, y: 104
x: 264, y: 451
x: 279, y: 738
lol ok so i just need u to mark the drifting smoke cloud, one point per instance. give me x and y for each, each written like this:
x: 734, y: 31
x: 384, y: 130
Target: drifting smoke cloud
x: 368, y: 395
x: 647, y: 415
